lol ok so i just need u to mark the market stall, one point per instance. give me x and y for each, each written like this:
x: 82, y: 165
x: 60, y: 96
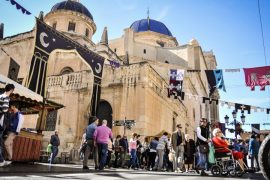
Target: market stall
x: 27, y: 144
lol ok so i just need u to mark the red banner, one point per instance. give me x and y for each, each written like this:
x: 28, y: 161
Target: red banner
x: 259, y: 76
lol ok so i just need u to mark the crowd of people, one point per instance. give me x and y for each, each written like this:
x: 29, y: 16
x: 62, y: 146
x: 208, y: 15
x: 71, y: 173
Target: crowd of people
x: 176, y: 152
x: 153, y: 154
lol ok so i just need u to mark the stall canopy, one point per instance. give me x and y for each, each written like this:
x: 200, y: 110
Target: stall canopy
x: 30, y: 102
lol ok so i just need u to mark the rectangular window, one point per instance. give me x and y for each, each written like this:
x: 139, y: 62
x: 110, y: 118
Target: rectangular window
x: 54, y: 25
x: 51, y: 121
x: 71, y: 26
x: 87, y: 32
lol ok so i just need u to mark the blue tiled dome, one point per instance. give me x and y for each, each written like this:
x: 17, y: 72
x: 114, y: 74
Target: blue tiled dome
x: 156, y: 26
x: 72, y: 6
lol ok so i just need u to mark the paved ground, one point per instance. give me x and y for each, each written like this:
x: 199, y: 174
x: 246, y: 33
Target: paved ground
x: 44, y: 172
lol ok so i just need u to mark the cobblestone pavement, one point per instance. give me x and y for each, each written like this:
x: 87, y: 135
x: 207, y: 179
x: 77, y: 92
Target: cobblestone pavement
x: 44, y: 171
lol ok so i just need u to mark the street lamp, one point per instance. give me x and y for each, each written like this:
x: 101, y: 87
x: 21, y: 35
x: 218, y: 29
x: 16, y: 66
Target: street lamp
x: 226, y: 119
x: 234, y: 114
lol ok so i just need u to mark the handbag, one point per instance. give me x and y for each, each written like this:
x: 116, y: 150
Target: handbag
x: 204, y: 148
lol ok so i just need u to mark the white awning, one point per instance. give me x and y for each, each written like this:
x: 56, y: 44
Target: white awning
x: 19, y: 89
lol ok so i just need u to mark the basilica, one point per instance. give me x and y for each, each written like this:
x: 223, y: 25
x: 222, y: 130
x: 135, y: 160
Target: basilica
x: 135, y: 78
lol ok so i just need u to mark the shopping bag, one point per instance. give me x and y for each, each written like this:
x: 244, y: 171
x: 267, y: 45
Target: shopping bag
x: 211, y: 154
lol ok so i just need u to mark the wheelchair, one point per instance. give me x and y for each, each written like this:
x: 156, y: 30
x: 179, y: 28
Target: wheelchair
x: 226, y: 165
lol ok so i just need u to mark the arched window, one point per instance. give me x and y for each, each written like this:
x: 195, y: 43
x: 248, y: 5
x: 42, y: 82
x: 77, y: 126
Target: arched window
x: 144, y: 51
x: 105, y: 112
x: 66, y: 70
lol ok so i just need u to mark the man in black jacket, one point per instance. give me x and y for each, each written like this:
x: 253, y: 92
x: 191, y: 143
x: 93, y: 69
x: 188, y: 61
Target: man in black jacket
x: 202, y: 145
x: 55, y: 142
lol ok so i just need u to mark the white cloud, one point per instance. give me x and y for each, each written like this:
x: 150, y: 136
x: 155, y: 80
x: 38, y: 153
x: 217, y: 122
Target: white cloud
x: 163, y: 13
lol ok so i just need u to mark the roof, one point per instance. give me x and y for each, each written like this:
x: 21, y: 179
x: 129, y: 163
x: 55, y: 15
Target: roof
x: 72, y: 6
x: 150, y: 25
x: 30, y: 102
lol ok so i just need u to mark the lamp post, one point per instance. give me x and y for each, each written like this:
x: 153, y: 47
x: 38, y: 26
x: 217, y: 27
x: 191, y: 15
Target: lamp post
x: 234, y: 114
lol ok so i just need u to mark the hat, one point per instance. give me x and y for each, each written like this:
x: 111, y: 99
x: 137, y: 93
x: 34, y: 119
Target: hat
x: 179, y: 125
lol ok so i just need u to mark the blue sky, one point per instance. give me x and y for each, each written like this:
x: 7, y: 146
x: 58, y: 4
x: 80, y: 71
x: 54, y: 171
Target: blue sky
x: 230, y: 28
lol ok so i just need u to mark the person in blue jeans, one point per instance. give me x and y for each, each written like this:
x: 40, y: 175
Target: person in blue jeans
x: 101, y: 136
x: 133, y: 151
x: 55, y: 142
x: 202, y: 140
x: 253, y: 150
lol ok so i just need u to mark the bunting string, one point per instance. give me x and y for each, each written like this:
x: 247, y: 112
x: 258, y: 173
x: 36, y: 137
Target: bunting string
x: 237, y: 106
x: 19, y: 7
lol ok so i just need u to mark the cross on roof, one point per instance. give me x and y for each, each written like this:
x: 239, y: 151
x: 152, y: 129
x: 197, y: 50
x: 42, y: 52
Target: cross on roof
x: 243, y: 107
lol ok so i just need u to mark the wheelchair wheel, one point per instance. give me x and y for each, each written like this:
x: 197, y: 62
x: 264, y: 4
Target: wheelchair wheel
x: 264, y: 157
x: 232, y: 173
x: 216, y: 170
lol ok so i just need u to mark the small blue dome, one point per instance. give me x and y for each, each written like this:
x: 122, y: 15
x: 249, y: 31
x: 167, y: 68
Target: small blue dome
x: 72, y: 6
x: 156, y: 26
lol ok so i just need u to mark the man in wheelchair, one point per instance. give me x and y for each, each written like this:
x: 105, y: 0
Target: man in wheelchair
x: 223, y: 150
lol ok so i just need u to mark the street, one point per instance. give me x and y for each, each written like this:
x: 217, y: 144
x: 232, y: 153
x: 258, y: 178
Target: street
x: 43, y: 171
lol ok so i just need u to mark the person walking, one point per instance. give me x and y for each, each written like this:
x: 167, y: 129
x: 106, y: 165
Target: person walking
x: 117, y: 150
x: 202, y: 146
x: 124, y: 149
x: 90, y: 148
x: 189, y: 152
x: 139, y: 151
x: 109, y: 153
x: 101, y: 136
x: 152, y: 153
x: 178, y: 142
x: 160, y: 149
x: 145, y: 152
x: 14, y: 128
x: 253, y: 151
x: 83, y: 146
x: 55, y: 142
x: 4, y: 105
x: 132, y: 151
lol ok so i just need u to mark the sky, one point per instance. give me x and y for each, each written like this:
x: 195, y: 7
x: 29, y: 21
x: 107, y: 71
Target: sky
x: 230, y: 28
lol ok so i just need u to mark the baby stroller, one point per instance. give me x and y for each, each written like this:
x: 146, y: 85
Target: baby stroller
x: 226, y: 165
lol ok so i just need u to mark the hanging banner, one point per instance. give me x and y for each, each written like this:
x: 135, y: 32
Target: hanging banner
x: 176, y: 83
x: 114, y: 64
x: 255, y: 128
x: 215, y: 80
x: 259, y: 76
x: 47, y: 40
x: 242, y: 107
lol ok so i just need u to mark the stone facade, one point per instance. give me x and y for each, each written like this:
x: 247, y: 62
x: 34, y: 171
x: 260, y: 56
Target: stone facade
x: 136, y: 91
